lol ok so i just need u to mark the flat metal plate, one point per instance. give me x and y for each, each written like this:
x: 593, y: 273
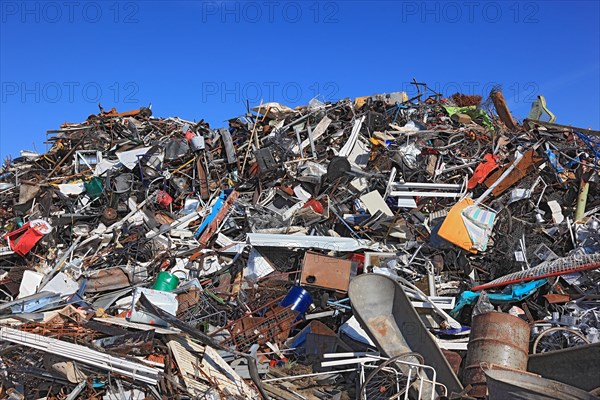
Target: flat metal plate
x: 325, y: 272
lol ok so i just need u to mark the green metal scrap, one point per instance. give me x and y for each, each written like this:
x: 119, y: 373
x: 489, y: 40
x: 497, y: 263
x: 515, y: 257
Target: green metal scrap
x: 472, y: 111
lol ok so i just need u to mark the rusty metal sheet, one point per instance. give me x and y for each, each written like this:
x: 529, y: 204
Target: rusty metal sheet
x: 107, y: 279
x: 557, y: 298
x: 523, y: 168
x: 325, y: 272
x: 211, y: 229
x: 454, y: 359
x: 502, y: 110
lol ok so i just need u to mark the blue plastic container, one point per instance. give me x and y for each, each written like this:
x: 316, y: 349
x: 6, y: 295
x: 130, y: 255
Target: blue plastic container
x: 299, y: 299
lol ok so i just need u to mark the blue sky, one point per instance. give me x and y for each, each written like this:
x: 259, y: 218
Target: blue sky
x: 204, y: 59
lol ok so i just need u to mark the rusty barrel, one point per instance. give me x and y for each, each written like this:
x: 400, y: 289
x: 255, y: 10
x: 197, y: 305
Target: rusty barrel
x: 496, y: 338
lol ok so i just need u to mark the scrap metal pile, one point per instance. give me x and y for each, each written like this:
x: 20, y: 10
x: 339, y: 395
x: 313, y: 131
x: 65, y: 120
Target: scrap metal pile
x: 384, y: 247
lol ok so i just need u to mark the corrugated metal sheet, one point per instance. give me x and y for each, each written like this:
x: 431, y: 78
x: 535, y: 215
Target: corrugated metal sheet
x: 205, y: 373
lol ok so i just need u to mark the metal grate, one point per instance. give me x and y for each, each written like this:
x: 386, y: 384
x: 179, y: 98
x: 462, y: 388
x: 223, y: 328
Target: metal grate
x: 272, y: 324
x: 546, y: 269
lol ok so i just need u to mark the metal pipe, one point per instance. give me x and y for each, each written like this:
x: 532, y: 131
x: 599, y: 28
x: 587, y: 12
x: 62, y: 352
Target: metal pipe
x: 350, y: 354
x: 424, y: 194
x: 360, y: 360
x: 419, y: 185
x: 582, y: 200
x: 308, y: 375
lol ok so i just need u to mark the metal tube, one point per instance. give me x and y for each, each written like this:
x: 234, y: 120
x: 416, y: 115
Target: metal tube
x: 423, y: 194
x: 417, y: 185
x: 350, y: 354
x: 311, y: 141
x: 359, y: 360
x: 308, y: 375
x: 582, y: 200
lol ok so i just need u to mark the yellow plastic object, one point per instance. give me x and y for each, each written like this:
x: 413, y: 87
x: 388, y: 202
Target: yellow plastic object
x: 389, y: 98
x: 453, y: 228
x: 359, y: 101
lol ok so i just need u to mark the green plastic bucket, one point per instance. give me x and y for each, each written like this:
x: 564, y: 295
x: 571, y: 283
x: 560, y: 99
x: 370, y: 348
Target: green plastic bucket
x: 166, y: 281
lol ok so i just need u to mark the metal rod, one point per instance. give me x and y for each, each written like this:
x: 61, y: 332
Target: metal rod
x: 82, y: 354
x: 308, y: 375
x: 423, y: 194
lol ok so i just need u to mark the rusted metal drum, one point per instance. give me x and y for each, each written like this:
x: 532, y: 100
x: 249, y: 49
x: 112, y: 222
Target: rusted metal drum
x: 496, y: 338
